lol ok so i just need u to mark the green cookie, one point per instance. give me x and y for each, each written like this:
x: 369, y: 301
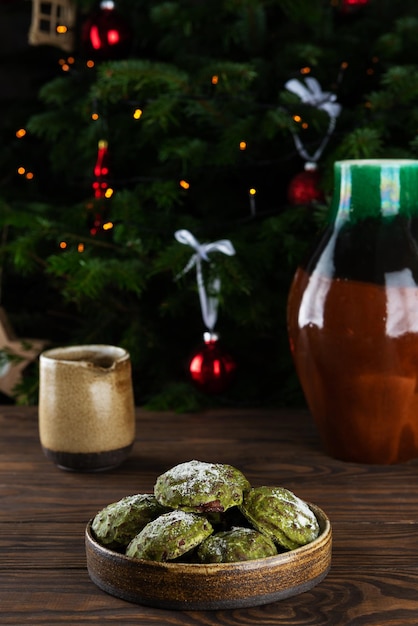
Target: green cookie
x: 279, y: 514
x: 200, y: 487
x: 119, y: 522
x: 169, y: 536
x: 237, y: 544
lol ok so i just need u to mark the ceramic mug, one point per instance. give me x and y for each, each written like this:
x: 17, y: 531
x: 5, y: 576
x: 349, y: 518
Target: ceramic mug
x: 86, y: 406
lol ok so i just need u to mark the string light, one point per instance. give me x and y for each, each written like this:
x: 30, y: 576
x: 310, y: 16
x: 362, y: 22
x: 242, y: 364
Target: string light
x: 62, y: 29
x: 80, y: 247
x: 20, y: 133
x: 107, y: 226
x: 108, y: 193
x: 297, y: 118
x: 94, y: 116
x: 242, y: 145
x: 22, y: 171
x: 63, y: 245
x: 215, y: 79
x: 137, y: 114
x: 90, y: 63
x: 184, y: 184
x: 305, y: 70
x: 252, y: 193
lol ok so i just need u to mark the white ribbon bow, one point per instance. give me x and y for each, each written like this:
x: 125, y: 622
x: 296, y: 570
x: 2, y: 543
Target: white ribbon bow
x: 208, y: 304
x: 311, y: 93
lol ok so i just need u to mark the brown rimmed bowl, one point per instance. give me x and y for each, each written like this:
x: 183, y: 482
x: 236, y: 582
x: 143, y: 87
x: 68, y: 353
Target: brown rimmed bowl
x: 198, y: 586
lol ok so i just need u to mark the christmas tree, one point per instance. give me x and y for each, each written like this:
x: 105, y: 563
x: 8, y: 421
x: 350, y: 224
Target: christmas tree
x: 207, y: 117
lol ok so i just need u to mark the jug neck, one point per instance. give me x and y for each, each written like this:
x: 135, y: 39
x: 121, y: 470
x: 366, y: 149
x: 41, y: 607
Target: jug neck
x: 380, y: 188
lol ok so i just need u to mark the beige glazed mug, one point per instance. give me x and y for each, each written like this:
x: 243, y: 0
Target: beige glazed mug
x: 86, y: 406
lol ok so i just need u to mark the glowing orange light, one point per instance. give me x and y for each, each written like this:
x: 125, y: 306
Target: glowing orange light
x: 297, y: 118
x: 94, y: 116
x: 109, y: 192
x: 80, y: 247
x: 184, y: 184
x: 65, y: 67
x: 63, y: 245
x: 90, y: 63
x: 71, y: 60
x: 305, y: 125
x: 305, y: 70
x: 242, y: 145
x: 344, y: 65
x: 21, y: 170
x: 252, y: 191
x: 137, y: 114
x: 61, y: 29
x: 20, y: 133
x: 29, y: 175
x: 108, y: 226
x: 215, y: 80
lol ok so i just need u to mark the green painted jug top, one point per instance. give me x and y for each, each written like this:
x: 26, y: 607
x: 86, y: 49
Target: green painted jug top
x: 374, y: 188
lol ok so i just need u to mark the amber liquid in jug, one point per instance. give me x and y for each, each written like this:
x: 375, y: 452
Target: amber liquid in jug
x: 353, y: 316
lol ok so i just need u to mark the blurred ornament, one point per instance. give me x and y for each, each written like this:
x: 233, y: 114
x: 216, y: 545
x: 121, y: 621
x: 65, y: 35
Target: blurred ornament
x: 53, y: 24
x: 100, y: 186
x: 211, y: 369
x: 101, y: 170
x: 106, y: 34
x: 15, y: 355
x: 304, y: 187
x: 351, y: 6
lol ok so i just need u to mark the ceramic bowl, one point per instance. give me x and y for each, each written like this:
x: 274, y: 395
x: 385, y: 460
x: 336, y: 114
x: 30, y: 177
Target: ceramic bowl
x: 194, y: 586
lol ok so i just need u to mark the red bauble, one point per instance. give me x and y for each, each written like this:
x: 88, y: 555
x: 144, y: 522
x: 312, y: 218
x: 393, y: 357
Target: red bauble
x: 350, y: 6
x: 304, y: 188
x: 106, y: 34
x: 100, y: 187
x: 212, y: 370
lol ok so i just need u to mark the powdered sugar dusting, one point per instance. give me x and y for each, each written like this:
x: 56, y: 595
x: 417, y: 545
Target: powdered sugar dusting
x: 186, y: 520
x: 200, y: 486
x: 185, y: 477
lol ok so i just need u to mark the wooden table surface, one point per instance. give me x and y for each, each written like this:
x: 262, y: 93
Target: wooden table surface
x: 373, y: 511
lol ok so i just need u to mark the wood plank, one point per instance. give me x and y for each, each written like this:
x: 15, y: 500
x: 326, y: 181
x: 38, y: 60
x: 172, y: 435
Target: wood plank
x: 342, y: 599
x: 373, y: 510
